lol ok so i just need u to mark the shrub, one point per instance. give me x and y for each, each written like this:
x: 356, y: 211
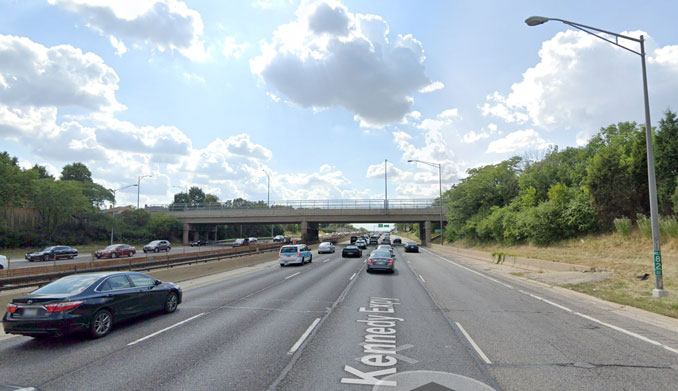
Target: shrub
x: 644, y: 225
x: 623, y: 226
x: 668, y: 226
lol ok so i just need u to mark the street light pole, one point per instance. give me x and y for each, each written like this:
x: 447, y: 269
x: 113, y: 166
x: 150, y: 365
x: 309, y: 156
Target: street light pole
x: 440, y: 190
x: 139, y: 187
x: 652, y: 184
x: 385, y: 183
x: 114, y: 191
x: 268, y: 196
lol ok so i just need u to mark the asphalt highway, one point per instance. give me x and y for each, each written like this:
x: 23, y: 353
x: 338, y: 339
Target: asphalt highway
x: 437, y: 323
x: 85, y: 258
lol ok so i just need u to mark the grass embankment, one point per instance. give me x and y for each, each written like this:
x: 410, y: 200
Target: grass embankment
x: 627, y: 257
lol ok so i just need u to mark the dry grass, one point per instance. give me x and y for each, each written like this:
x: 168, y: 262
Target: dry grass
x: 627, y: 257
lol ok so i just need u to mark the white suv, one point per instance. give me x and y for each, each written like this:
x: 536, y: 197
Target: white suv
x: 3, y: 262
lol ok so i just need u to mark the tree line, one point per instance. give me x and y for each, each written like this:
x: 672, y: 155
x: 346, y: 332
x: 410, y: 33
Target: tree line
x: 567, y: 193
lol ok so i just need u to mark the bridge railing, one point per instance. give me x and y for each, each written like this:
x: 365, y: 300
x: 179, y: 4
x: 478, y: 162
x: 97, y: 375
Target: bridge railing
x: 300, y: 204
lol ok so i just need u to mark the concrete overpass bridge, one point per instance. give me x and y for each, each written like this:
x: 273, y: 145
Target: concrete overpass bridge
x: 308, y: 213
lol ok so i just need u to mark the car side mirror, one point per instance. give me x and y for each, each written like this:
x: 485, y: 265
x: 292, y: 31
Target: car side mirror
x: 157, y: 282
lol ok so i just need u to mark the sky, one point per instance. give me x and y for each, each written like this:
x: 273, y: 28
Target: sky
x: 318, y: 94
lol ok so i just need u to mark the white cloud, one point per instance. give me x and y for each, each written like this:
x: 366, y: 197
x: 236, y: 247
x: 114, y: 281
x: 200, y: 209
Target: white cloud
x: 165, y: 25
x: 472, y: 136
x: 521, y: 140
x: 35, y: 76
x: 193, y: 76
x: 119, y: 46
x: 584, y: 83
x: 435, y: 86
x: 449, y: 114
x: 230, y: 48
x: 330, y: 57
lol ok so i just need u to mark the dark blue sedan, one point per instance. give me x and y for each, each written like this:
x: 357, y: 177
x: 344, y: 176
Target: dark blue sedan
x: 90, y: 302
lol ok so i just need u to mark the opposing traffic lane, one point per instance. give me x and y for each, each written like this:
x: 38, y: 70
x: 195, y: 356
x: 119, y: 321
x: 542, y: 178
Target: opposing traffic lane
x: 533, y: 339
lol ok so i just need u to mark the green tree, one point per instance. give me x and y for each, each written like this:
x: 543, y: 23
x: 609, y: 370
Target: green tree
x: 666, y: 161
x: 56, y: 202
x: 76, y: 172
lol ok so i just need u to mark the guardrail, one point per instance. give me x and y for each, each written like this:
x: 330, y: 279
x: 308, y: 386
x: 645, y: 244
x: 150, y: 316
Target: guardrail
x: 299, y: 204
x: 29, y: 276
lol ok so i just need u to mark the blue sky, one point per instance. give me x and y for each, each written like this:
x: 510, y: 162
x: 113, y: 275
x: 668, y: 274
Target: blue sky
x: 318, y: 93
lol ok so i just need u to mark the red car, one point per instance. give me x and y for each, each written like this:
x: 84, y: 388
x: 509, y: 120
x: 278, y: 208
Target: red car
x: 115, y: 251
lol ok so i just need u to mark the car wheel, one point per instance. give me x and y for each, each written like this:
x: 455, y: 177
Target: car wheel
x: 102, y: 322
x: 45, y: 258
x: 157, y: 250
x: 310, y: 259
x: 114, y: 255
x: 282, y: 265
x: 168, y: 249
x: 130, y: 254
x: 171, y: 302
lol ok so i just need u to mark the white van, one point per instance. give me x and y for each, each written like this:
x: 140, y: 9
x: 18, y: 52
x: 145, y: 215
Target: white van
x: 3, y: 262
x: 294, y: 254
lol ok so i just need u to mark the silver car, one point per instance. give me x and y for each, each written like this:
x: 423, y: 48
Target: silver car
x: 381, y: 260
x: 326, y: 248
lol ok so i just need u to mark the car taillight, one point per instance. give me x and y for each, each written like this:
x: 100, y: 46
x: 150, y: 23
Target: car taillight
x: 370, y: 260
x: 298, y: 254
x: 11, y: 308
x: 60, y: 307
x: 389, y: 261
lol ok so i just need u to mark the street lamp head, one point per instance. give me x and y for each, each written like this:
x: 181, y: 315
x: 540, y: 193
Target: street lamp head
x: 536, y: 20
x: 410, y: 161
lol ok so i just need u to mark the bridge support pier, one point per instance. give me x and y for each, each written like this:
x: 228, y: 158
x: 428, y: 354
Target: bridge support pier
x: 196, y: 236
x: 309, y: 232
x: 425, y: 232
x: 187, y: 229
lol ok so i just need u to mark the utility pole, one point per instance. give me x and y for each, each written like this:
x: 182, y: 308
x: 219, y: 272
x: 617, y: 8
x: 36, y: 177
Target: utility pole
x: 385, y: 183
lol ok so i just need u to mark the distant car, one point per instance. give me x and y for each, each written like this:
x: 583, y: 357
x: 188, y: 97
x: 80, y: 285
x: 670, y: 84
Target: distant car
x: 199, y: 242
x: 278, y: 239
x: 374, y: 241
x: 386, y: 241
x: 3, y: 262
x: 380, y: 260
x: 326, y: 248
x: 157, y: 246
x: 294, y: 254
x: 353, y: 239
x: 253, y: 240
x: 115, y: 251
x: 361, y: 244
x: 241, y: 242
x: 397, y: 241
x: 351, y: 251
x: 411, y: 247
x: 52, y: 253
x: 90, y: 302
x: 386, y: 247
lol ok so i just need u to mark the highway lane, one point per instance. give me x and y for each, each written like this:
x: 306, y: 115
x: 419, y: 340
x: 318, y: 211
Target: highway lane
x: 306, y: 328
x: 85, y: 258
x: 536, y: 339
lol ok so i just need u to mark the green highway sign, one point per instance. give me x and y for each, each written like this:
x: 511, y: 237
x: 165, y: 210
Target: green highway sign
x: 438, y: 230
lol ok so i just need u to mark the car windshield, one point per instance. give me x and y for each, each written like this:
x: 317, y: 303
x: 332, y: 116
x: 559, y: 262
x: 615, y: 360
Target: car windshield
x: 49, y: 248
x: 71, y: 285
x: 287, y: 250
x: 112, y: 247
x: 154, y: 243
x: 381, y: 254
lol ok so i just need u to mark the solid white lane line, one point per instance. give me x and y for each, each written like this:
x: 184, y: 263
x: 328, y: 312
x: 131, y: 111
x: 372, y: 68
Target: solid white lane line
x: 621, y: 330
x: 473, y: 343
x: 471, y: 270
x: 352, y: 277
x: 422, y: 278
x: 292, y: 275
x: 165, y: 329
x: 327, y: 260
x: 562, y: 307
x: 303, y: 336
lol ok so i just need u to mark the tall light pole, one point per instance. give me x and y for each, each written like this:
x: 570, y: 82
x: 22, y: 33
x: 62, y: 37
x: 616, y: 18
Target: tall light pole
x: 654, y: 215
x: 385, y: 183
x: 440, y: 190
x: 114, y: 191
x: 268, y: 196
x: 139, y: 186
